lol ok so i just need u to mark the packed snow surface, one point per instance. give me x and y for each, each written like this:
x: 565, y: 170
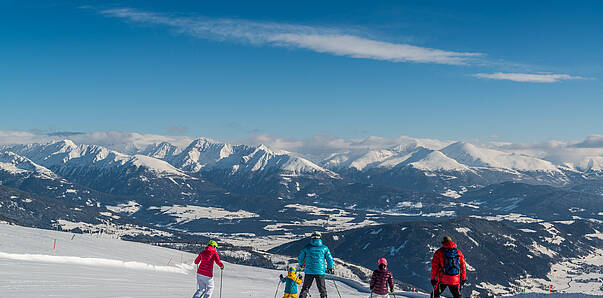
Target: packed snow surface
x: 87, y: 266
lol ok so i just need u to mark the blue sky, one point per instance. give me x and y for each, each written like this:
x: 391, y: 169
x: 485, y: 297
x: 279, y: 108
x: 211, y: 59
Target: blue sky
x: 511, y: 71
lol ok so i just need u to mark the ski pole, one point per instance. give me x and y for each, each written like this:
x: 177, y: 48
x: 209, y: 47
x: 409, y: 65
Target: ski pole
x: 277, y: 287
x: 435, y: 288
x: 336, y: 288
x: 221, y: 281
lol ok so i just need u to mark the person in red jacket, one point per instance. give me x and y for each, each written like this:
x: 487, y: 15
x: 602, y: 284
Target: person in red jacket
x: 448, y: 269
x: 205, y: 272
x: 381, y: 279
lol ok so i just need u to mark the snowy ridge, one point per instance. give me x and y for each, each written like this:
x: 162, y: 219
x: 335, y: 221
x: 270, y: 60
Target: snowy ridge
x: 161, y: 150
x: 473, y: 156
x: 16, y: 164
x: 206, y: 154
x: 371, y: 158
x: 65, y: 155
x: 154, y: 165
x: 199, y: 154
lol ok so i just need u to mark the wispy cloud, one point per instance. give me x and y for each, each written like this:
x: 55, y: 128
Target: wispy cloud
x: 528, y: 77
x: 319, y: 39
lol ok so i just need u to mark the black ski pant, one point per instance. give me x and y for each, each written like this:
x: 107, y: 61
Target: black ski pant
x: 454, y: 289
x: 320, y: 282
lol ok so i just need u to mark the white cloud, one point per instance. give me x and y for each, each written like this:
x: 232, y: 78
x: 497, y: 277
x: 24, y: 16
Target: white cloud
x: 528, y: 77
x: 319, y: 39
x: 584, y: 155
x: 594, y: 141
x: 20, y: 137
x: 317, y: 148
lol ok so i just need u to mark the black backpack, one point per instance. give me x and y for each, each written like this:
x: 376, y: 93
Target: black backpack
x: 451, y: 262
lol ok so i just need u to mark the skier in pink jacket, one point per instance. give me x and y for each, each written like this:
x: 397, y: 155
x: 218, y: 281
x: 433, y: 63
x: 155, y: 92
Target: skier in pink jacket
x: 205, y: 272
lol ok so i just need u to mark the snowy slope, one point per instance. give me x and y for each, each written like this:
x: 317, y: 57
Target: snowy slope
x: 437, y: 161
x: 87, y: 266
x: 474, y: 156
x: 16, y: 164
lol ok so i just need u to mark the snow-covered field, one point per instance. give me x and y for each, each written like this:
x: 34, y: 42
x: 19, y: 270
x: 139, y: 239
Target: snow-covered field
x: 580, y: 275
x: 184, y: 214
x: 88, y: 266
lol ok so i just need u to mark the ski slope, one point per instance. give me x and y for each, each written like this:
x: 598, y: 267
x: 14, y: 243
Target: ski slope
x: 88, y: 266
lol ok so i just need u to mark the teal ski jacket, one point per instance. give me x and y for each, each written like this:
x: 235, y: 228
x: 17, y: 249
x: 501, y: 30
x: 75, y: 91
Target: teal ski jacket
x: 313, y: 257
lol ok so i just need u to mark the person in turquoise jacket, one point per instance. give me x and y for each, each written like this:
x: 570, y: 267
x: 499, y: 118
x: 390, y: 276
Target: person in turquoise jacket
x: 291, y: 281
x: 312, y: 261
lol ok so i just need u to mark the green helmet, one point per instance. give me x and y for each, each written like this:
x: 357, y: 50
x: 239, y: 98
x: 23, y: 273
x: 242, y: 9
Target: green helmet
x: 213, y: 243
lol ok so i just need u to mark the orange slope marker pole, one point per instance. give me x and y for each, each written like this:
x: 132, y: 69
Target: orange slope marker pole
x: 54, y: 247
x: 170, y: 260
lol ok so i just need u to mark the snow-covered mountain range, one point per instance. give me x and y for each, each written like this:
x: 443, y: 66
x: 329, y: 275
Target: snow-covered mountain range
x: 440, y: 168
x: 173, y: 182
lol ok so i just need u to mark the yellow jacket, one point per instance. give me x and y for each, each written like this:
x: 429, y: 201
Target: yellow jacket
x: 291, y: 281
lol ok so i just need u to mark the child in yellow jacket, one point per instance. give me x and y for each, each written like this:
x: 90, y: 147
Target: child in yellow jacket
x: 291, y: 281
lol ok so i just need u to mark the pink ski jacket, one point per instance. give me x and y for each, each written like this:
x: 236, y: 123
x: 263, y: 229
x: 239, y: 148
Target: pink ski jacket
x: 207, y: 258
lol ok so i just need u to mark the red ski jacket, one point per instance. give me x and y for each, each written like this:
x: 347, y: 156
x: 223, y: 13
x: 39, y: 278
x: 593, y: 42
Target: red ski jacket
x: 380, y: 280
x: 207, y: 259
x: 437, y: 264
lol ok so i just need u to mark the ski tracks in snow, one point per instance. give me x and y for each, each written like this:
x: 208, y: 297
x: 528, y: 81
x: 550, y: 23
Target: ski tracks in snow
x: 100, y: 262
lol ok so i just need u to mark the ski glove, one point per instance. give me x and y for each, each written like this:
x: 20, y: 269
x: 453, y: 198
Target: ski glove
x: 434, y: 282
x: 331, y: 271
x: 281, y: 276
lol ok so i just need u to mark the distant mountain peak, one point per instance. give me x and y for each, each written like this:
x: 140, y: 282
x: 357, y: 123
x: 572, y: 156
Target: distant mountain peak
x: 65, y: 145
